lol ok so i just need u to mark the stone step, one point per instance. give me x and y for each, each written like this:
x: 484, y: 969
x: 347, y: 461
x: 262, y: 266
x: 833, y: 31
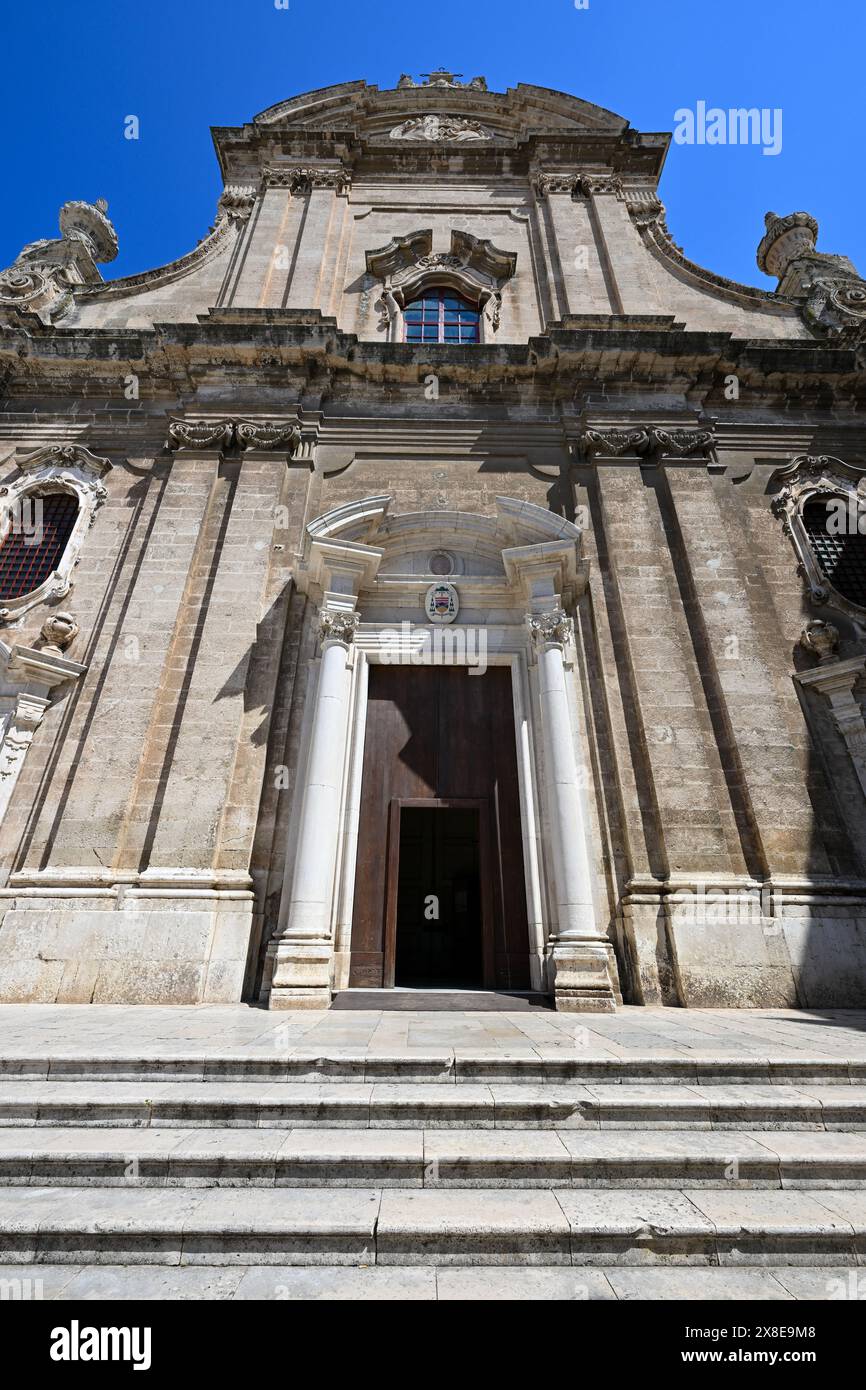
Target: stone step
x: 340, y: 1283
x: 537, y: 1066
x: 242, y: 1157
x: 469, y: 1226
x: 347, y: 1105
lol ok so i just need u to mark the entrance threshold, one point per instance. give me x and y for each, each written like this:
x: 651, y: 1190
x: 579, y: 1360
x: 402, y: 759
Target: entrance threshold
x: 442, y: 1000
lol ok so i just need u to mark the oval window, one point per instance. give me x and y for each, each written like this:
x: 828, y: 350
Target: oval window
x: 38, y: 532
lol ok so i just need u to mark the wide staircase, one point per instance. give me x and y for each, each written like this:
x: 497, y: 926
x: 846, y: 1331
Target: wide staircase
x: 368, y: 1176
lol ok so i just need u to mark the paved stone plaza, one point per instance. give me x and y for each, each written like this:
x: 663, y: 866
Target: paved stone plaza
x: 115, y: 1032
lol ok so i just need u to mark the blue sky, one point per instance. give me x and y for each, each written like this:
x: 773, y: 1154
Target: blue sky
x: 181, y: 67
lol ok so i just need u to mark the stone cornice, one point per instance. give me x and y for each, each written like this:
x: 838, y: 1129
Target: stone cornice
x: 255, y: 342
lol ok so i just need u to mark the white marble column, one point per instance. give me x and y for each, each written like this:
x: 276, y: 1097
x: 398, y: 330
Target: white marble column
x: 580, y: 950
x: 302, y: 951
x: 836, y: 680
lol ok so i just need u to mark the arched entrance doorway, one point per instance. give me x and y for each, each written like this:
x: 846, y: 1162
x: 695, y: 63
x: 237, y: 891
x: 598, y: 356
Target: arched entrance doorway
x: 444, y: 686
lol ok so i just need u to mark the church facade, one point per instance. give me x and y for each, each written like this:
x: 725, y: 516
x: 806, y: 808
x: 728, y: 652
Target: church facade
x: 433, y: 579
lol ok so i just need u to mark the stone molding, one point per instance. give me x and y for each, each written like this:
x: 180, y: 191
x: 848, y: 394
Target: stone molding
x: 69, y: 468
x: 806, y: 478
x: 648, y: 213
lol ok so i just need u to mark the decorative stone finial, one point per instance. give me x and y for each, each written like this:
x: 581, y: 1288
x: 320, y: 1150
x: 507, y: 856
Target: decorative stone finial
x: 821, y: 639
x: 59, y: 631
x: 87, y: 222
x: 785, y: 239
x: 443, y: 78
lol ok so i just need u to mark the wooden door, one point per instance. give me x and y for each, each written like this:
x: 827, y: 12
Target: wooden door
x: 440, y: 736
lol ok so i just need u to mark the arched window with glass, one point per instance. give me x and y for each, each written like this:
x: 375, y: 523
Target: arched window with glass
x: 835, y: 526
x: 37, y: 528
x: 441, y: 315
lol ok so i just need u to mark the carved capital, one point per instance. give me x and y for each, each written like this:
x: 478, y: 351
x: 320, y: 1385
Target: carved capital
x: 337, y: 625
x: 683, y: 443
x: 549, y: 181
x: 597, y: 185
x: 200, y: 434
x: 258, y: 434
x: 613, y: 443
x: 554, y: 628
x: 304, y: 178
x: 236, y: 201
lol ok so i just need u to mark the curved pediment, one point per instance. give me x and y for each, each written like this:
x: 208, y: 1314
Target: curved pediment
x: 437, y: 111
x: 369, y: 521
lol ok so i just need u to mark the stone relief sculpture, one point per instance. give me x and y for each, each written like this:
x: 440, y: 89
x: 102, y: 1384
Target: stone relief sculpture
x: 455, y: 129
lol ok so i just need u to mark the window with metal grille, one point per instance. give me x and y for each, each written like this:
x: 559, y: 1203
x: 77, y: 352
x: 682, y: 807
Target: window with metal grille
x: 441, y: 316
x: 833, y: 527
x: 35, y: 540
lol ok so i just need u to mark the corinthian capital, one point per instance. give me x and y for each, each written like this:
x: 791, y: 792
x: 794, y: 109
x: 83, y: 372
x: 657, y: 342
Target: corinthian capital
x: 554, y: 627
x: 337, y: 625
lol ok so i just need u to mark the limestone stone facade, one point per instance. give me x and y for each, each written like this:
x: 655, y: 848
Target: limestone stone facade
x: 614, y: 488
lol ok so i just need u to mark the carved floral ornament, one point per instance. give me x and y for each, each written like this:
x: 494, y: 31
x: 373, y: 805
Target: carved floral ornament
x: 66, y: 468
x: 475, y: 268
x: 224, y: 434
x: 645, y: 442
x: 811, y: 478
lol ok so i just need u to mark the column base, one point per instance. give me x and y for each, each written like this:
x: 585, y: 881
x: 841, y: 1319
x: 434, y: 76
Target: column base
x: 582, y: 977
x: 299, y: 974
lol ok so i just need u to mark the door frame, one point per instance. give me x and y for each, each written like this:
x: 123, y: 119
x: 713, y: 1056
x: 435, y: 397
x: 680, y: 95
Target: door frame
x: 395, y: 806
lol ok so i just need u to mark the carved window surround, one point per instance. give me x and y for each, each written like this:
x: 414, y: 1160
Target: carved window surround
x: 66, y: 468
x: 808, y: 478
x: 29, y: 677
x: 408, y: 266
